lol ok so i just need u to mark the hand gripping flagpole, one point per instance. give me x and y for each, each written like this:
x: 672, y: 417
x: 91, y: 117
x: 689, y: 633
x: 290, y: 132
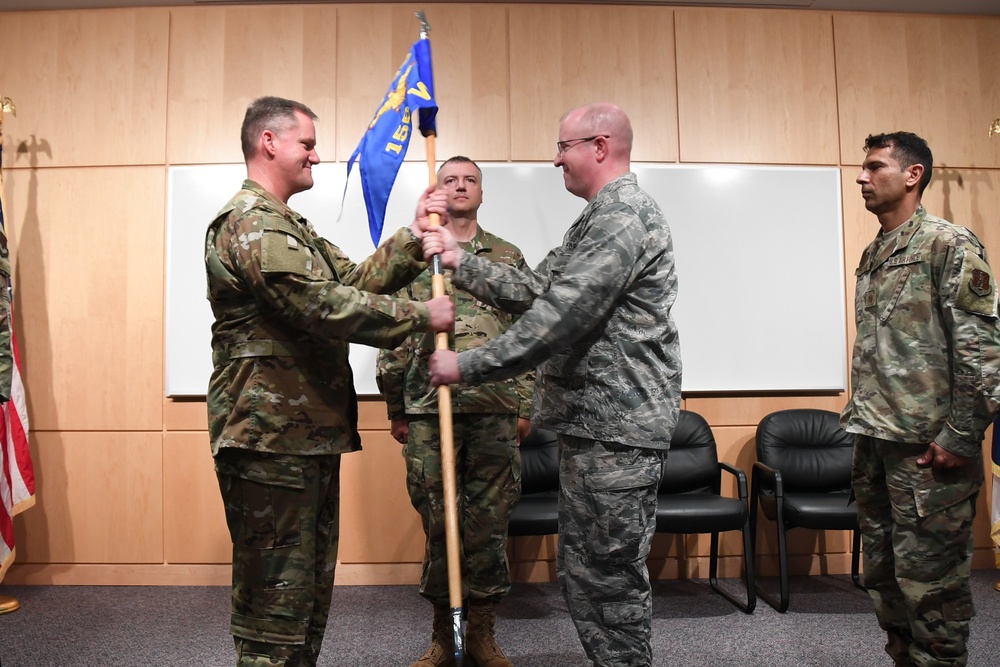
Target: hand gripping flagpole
x: 445, y: 427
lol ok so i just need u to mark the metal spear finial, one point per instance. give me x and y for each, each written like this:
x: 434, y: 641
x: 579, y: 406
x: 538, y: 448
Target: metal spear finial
x: 6, y: 106
x: 425, y: 27
x: 995, y: 127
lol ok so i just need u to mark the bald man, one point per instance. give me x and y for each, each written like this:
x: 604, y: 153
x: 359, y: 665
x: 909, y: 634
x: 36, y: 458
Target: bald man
x: 595, y: 320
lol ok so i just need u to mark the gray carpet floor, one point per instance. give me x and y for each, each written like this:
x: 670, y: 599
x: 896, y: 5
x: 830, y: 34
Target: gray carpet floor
x: 829, y: 624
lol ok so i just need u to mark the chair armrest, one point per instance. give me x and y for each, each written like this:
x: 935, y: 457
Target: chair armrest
x: 741, y: 478
x: 768, y: 478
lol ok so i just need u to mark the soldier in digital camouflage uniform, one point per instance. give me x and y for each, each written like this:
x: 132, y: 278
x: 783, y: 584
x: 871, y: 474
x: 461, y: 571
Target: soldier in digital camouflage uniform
x: 924, y: 388
x: 595, y: 320
x: 489, y: 421
x: 281, y: 401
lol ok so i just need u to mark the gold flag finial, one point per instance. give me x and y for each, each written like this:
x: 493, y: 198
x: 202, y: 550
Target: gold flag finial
x: 995, y: 127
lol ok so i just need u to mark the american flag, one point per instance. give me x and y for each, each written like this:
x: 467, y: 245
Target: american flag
x: 17, y: 476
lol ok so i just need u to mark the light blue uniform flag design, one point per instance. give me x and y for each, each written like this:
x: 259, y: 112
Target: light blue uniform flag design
x: 384, y: 144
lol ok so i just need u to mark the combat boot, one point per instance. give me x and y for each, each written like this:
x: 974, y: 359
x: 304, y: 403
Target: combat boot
x: 442, y: 649
x: 480, y: 642
x: 899, y: 648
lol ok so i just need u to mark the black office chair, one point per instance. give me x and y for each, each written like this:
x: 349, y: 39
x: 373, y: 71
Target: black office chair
x: 690, y: 498
x: 537, y: 513
x: 802, y: 478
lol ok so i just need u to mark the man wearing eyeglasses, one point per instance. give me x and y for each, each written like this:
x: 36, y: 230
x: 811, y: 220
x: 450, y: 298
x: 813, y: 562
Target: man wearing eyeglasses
x: 595, y: 320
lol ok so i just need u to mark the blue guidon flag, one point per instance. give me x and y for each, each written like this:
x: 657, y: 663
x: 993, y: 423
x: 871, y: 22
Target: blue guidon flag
x: 384, y: 144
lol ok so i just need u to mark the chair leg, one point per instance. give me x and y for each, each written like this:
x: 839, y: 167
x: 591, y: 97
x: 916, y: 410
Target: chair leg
x: 782, y: 564
x: 856, y: 560
x: 713, y: 574
x: 751, y: 571
x: 753, y: 527
x: 748, y: 563
x: 782, y: 604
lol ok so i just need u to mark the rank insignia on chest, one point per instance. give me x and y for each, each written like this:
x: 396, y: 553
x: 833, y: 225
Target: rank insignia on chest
x: 980, y: 283
x: 869, y: 299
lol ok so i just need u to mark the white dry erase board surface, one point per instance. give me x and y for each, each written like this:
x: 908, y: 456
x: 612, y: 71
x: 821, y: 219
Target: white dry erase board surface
x: 759, y: 254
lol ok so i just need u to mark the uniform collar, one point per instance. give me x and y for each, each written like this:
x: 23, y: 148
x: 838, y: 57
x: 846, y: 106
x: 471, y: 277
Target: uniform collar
x: 283, y: 209
x: 481, y: 242
x: 882, y: 249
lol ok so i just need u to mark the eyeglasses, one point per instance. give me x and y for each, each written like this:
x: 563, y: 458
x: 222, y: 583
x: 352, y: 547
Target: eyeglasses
x: 563, y: 146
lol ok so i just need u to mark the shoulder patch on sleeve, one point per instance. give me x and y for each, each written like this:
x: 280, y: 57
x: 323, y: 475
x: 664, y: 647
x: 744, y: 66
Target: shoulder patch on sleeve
x: 977, y: 292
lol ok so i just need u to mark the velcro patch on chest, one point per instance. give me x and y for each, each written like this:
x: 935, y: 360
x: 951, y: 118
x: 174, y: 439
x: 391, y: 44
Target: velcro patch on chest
x: 977, y: 291
x: 283, y: 253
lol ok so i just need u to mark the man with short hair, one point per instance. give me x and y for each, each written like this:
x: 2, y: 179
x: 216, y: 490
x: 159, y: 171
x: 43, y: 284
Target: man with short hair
x: 488, y: 422
x: 281, y: 401
x: 923, y: 390
x: 595, y: 320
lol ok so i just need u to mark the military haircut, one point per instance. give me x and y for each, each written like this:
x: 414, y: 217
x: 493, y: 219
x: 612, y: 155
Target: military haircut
x: 269, y: 113
x: 908, y: 149
x: 461, y: 159
x: 605, y: 118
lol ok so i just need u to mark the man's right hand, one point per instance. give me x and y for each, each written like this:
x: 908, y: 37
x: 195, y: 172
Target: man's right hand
x: 431, y: 201
x: 439, y: 241
x: 442, y: 313
x: 940, y: 458
x: 400, y: 430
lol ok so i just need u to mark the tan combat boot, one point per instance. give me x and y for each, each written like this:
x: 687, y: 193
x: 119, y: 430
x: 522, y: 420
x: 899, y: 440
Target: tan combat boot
x: 442, y: 650
x: 480, y: 642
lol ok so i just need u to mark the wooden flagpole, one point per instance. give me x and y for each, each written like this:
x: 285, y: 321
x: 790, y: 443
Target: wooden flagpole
x: 447, y: 440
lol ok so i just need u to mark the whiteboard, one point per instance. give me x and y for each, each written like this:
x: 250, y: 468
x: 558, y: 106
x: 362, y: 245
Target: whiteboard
x: 759, y: 252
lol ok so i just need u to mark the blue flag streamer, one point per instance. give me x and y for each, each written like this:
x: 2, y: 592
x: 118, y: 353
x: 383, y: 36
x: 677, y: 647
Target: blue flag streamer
x: 384, y: 144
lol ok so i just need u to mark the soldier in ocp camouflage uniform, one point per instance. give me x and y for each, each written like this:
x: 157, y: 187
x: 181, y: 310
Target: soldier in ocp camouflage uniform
x: 281, y: 401
x: 595, y: 320
x: 924, y: 382
x: 488, y: 422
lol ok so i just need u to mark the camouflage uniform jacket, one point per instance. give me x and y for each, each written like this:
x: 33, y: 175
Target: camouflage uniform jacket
x: 927, y: 355
x: 403, y: 373
x: 6, y: 352
x: 596, y: 311
x: 286, y: 303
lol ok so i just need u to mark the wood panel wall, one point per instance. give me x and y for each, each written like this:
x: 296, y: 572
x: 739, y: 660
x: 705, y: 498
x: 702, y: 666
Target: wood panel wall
x: 109, y: 99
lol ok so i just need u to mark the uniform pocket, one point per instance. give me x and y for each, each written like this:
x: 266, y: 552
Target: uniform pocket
x: 262, y: 503
x: 935, y: 496
x: 622, y: 500
x: 623, y: 613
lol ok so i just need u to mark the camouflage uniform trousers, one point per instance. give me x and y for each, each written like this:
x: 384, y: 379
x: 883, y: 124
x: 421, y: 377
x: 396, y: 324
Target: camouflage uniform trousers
x: 488, y: 483
x: 916, y: 527
x: 607, y: 518
x: 283, y: 514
